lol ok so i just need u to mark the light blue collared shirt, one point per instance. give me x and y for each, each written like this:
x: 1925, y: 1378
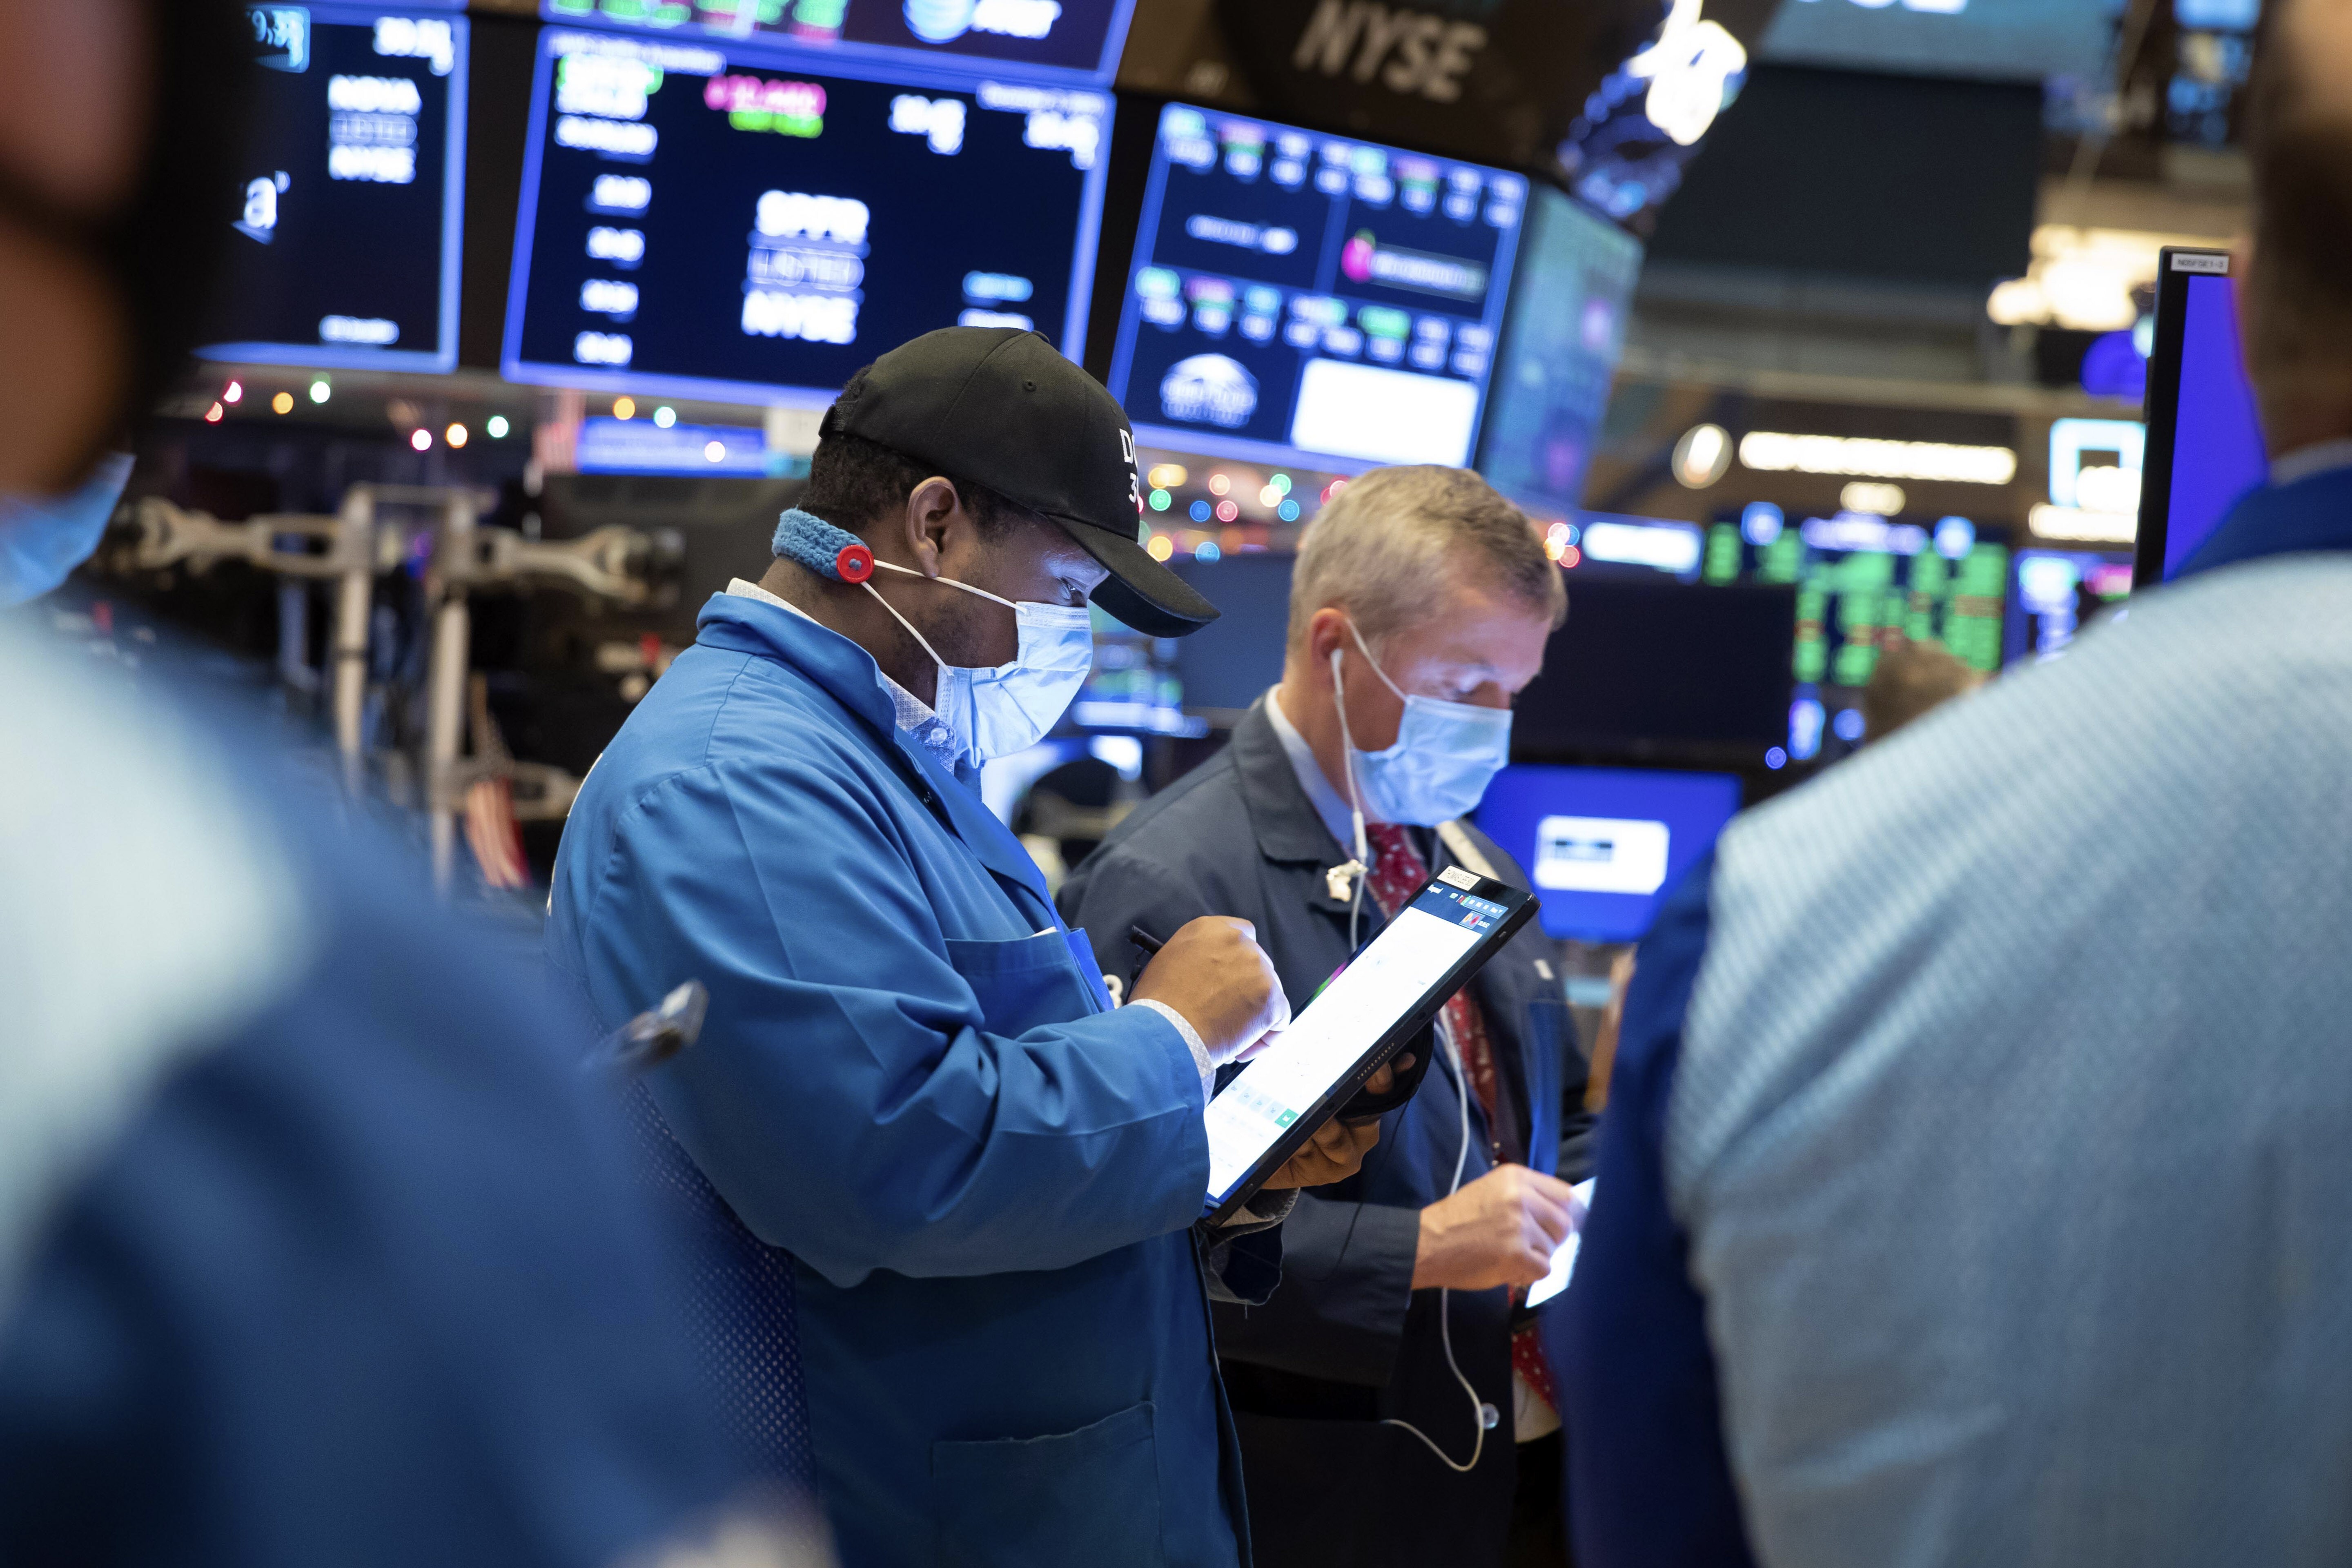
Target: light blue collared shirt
x: 1326, y: 801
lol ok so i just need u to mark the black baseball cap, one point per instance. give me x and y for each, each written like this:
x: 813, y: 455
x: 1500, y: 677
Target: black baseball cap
x: 1000, y: 407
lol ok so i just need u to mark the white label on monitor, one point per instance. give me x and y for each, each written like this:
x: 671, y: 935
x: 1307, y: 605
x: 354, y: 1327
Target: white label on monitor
x: 1283, y: 1083
x: 1454, y: 875
x: 1563, y: 1262
x: 1601, y: 854
x: 1384, y: 415
x: 2207, y: 261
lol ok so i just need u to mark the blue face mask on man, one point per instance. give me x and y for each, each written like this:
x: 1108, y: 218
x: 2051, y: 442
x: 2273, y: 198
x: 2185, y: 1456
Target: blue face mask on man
x: 1445, y: 753
x: 42, y: 537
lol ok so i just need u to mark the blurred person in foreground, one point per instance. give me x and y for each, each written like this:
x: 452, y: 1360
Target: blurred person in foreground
x: 1420, y: 605
x: 1984, y: 1202
x: 315, y: 1245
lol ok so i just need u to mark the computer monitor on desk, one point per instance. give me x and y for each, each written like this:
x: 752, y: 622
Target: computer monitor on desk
x: 2204, y: 433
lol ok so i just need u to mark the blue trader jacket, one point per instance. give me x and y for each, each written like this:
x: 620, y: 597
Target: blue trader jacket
x: 910, y: 1078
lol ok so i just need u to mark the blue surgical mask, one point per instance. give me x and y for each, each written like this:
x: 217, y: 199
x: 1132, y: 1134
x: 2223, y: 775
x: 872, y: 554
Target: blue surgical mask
x: 999, y: 710
x: 1445, y: 756
x: 44, y: 538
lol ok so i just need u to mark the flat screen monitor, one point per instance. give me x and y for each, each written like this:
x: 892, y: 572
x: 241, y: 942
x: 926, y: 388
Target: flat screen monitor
x: 755, y: 230
x: 1650, y: 669
x: 351, y: 192
x: 1050, y: 37
x: 1604, y: 845
x: 2013, y: 40
x: 2204, y: 431
x: 1571, y: 292
x: 1228, y: 664
x: 1860, y: 575
x: 1312, y: 300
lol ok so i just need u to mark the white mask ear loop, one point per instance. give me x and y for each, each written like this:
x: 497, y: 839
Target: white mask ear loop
x: 1366, y: 652
x: 910, y: 572
x: 923, y: 641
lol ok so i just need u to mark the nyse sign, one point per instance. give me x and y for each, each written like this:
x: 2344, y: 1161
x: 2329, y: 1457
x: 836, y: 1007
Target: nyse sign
x: 1493, y: 81
x: 1407, y: 51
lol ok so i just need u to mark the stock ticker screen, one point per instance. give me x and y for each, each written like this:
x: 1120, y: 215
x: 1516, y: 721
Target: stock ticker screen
x: 1858, y: 575
x: 700, y: 225
x: 1079, y: 35
x: 1861, y: 581
x: 1299, y: 297
x: 349, y: 203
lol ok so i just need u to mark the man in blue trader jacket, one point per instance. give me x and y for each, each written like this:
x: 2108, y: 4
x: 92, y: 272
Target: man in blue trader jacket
x: 911, y: 1079
x: 1973, y: 1178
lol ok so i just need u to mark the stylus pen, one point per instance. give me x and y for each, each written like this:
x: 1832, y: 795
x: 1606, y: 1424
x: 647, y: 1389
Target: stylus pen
x: 1143, y: 939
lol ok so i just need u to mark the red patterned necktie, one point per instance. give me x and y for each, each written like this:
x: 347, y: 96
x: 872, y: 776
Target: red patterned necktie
x: 1398, y: 873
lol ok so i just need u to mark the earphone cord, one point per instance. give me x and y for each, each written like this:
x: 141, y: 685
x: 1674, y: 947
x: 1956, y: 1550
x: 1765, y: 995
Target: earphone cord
x: 1479, y: 1409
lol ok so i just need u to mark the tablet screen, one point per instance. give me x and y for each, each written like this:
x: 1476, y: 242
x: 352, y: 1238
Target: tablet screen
x: 1388, y: 982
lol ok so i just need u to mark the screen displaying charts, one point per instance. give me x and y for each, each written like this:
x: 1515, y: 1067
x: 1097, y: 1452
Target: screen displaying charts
x: 1604, y: 846
x: 1348, y: 1016
x: 351, y: 194
x: 695, y: 223
x: 1082, y: 37
x: 1299, y: 297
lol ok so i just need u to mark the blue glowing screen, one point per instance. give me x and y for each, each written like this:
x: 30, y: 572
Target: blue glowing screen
x: 1602, y: 847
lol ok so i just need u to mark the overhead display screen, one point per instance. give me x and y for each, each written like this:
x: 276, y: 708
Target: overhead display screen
x: 1082, y: 36
x: 1569, y: 304
x: 351, y: 196
x: 1296, y: 297
x: 696, y: 224
x: 2000, y: 40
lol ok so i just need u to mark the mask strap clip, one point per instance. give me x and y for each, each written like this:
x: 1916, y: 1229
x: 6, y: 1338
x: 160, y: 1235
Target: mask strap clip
x: 827, y: 550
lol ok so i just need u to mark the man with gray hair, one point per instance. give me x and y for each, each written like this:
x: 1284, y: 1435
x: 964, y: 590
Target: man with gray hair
x: 1973, y: 1183
x: 1421, y: 604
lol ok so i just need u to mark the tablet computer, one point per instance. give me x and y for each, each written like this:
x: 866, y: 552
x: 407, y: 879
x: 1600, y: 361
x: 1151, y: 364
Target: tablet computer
x: 1389, y: 994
